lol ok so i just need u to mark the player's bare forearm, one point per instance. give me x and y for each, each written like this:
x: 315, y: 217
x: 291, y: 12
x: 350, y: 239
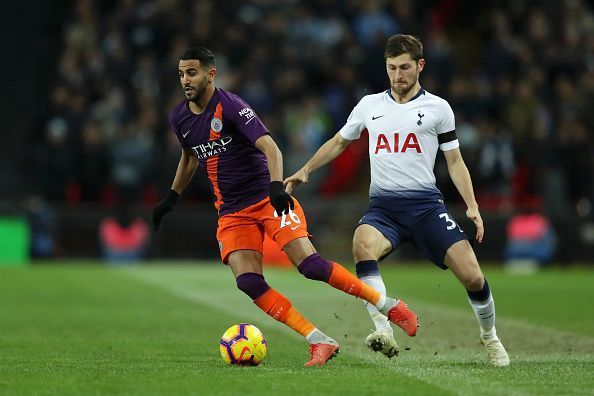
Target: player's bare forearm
x: 273, y: 155
x: 185, y: 171
x: 463, y: 183
x: 327, y: 153
x: 461, y: 178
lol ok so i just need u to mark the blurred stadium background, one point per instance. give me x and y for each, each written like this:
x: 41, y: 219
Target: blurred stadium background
x: 87, y: 87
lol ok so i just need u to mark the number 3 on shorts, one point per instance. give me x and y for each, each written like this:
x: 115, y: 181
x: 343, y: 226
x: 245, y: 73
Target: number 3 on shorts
x: 451, y: 223
x: 285, y: 222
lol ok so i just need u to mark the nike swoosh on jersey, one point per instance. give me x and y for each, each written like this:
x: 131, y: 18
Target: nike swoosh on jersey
x: 375, y: 118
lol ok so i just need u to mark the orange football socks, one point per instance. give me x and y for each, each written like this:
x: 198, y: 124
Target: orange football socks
x: 342, y: 279
x: 280, y: 308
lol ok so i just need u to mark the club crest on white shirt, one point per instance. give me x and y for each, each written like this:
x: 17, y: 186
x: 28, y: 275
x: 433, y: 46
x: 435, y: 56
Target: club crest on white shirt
x: 420, y: 122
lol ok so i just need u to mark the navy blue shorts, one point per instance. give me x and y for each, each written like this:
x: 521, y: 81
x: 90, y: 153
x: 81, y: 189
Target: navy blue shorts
x: 426, y: 224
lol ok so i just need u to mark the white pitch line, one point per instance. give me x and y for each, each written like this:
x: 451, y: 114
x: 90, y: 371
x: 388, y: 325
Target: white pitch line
x: 455, y: 315
x: 195, y: 296
x: 428, y: 309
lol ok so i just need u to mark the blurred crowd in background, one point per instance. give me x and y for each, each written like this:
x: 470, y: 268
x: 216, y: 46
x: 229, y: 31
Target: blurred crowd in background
x: 519, y: 76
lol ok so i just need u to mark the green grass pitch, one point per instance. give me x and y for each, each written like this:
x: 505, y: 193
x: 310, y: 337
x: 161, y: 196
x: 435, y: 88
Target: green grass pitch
x: 154, y: 330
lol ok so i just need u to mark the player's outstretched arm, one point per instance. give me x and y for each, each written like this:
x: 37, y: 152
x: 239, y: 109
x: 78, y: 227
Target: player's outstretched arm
x: 328, y: 152
x: 185, y: 171
x: 461, y: 178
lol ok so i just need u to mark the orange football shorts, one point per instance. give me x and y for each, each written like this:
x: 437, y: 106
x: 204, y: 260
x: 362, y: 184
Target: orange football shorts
x: 244, y: 230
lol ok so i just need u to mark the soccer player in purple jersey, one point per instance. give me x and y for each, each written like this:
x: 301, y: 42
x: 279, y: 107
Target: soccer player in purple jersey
x: 219, y: 132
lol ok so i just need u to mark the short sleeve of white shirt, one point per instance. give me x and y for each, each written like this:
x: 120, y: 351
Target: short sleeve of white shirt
x: 355, y: 123
x: 446, y: 124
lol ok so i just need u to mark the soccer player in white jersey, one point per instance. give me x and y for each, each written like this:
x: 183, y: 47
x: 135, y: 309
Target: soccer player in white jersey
x: 406, y: 125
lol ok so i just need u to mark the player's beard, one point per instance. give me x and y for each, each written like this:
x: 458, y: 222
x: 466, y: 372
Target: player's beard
x: 403, y: 90
x: 198, y: 90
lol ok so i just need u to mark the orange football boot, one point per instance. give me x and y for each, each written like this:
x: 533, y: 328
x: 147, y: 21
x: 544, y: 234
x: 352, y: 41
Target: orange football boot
x: 321, y: 353
x: 404, y: 318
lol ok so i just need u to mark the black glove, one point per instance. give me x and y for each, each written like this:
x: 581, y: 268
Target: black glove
x: 164, y: 207
x: 279, y: 198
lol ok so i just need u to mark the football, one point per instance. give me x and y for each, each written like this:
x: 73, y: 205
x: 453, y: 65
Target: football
x: 243, y: 344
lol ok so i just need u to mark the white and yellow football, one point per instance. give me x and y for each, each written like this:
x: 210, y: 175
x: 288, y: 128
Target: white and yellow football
x: 243, y: 344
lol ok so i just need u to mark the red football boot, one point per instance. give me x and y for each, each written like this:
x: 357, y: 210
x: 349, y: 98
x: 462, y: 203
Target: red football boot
x: 404, y: 318
x: 321, y: 353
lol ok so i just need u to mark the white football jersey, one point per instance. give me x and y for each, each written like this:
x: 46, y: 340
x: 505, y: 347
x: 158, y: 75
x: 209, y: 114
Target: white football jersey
x: 403, y: 142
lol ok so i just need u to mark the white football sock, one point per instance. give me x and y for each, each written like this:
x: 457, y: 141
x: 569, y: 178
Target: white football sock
x: 385, y: 304
x: 379, y: 320
x: 485, y: 314
x: 488, y: 334
x: 317, y: 337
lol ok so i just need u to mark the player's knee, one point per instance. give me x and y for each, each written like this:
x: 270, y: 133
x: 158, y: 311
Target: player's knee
x: 316, y: 267
x: 252, y: 284
x: 474, y: 282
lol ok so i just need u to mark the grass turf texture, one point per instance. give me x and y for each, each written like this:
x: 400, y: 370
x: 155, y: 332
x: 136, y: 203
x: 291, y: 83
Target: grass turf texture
x: 73, y: 330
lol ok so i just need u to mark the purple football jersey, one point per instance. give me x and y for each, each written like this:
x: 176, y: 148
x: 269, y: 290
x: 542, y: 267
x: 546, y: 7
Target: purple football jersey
x: 222, y: 138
